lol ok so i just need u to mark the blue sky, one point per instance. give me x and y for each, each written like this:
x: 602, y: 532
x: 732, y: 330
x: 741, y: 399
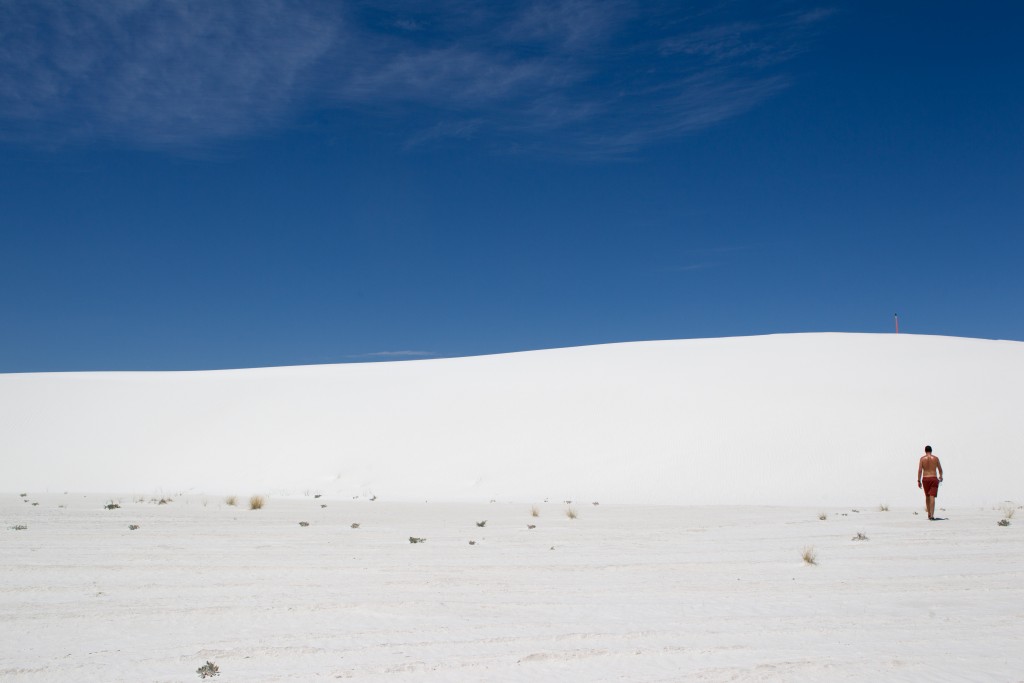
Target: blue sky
x: 209, y: 185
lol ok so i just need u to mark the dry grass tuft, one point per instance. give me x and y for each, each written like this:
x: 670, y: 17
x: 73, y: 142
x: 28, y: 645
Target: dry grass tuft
x: 231, y: 500
x: 1008, y: 509
x: 883, y: 508
x: 256, y: 502
x: 859, y: 537
x: 822, y: 516
x: 570, y: 512
x: 534, y: 511
x: 809, y: 556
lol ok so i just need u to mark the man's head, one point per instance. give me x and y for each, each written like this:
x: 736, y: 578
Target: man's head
x: 928, y: 449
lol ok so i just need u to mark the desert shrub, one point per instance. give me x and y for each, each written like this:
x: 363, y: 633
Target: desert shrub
x: 472, y: 542
x: 570, y: 512
x: 318, y: 495
x: 112, y: 506
x: 809, y: 556
x: 133, y: 527
x: 822, y: 516
x: 208, y: 670
x: 23, y: 495
x: 531, y: 526
x: 417, y: 539
x: 323, y: 505
x: 18, y: 527
x: 256, y: 502
x: 34, y: 504
x: 534, y: 511
x: 164, y: 501
x: 303, y: 523
x: 483, y: 523
x: 859, y: 537
x: 1008, y: 510
x: 883, y: 508
x: 1003, y: 522
x: 231, y: 500
x: 355, y: 525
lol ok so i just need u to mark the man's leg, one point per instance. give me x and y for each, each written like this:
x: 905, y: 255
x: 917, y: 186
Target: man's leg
x: 931, y: 507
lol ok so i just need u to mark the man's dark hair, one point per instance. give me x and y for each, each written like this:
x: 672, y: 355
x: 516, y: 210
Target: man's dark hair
x: 927, y: 449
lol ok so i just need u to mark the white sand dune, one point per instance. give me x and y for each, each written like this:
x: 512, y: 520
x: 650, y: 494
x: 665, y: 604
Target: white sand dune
x: 779, y: 420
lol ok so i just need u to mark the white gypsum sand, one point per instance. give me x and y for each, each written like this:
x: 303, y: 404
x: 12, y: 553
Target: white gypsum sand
x: 623, y: 592
x: 774, y: 420
x: 711, y: 586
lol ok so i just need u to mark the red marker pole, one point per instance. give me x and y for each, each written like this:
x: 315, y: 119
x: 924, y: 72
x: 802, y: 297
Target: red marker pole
x: 897, y: 319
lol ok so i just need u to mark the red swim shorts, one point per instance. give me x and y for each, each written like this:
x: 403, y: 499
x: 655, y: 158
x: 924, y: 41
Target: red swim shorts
x: 931, y: 486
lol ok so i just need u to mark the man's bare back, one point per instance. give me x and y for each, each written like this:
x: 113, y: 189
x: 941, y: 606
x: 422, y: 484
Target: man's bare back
x: 929, y: 467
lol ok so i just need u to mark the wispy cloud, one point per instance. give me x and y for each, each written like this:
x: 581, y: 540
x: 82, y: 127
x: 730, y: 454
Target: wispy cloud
x: 385, y: 355
x: 595, y: 76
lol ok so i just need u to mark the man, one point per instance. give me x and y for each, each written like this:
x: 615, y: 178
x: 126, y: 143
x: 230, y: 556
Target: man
x: 929, y: 476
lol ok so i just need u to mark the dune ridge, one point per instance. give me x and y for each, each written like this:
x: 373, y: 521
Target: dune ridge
x: 796, y: 419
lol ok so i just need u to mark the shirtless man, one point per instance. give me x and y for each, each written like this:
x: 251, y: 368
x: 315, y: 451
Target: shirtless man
x: 928, y: 479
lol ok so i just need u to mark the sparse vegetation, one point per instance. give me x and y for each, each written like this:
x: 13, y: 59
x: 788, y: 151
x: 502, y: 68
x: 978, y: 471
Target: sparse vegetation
x: 111, y: 506
x: 303, y: 523
x: 596, y: 503
x: 534, y: 511
x: 323, y: 505
x: 133, y: 527
x: 472, y: 542
x: 1008, y: 510
x: 208, y: 670
x: 23, y: 494
x: 34, y: 504
x: 164, y: 501
x: 809, y: 556
x: 883, y: 508
x: 1003, y: 522
x: 482, y: 523
x: 531, y: 526
x: 318, y: 495
x: 859, y: 537
x: 416, y: 539
x: 18, y: 527
x: 355, y: 525
x: 231, y: 500
x: 822, y: 516
x: 256, y: 502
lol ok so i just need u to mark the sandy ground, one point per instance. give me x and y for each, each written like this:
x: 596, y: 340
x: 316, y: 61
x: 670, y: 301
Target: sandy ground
x: 637, y: 593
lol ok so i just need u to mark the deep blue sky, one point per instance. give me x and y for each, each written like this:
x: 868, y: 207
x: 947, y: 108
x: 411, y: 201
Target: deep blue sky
x: 207, y: 185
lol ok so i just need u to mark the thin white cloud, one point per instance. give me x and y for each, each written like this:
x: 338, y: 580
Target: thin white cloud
x: 394, y: 354
x: 595, y: 76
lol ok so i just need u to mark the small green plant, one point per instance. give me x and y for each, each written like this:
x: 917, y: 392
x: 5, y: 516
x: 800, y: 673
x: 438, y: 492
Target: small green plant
x: 1003, y: 522
x: 231, y: 500
x: 482, y: 524
x: 303, y: 523
x: 570, y: 512
x: 417, y: 539
x: 208, y: 670
x: 111, y: 506
x: 809, y: 556
x: 859, y: 537
x: 133, y: 527
x: 822, y: 516
x: 256, y: 502
x: 883, y: 508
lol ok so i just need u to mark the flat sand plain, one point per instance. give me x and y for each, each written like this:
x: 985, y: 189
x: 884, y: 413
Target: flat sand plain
x: 621, y: 593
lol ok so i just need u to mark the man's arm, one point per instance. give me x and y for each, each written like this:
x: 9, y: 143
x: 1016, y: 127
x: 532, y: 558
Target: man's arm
x: 920, y: 468
x: 938, y: 466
